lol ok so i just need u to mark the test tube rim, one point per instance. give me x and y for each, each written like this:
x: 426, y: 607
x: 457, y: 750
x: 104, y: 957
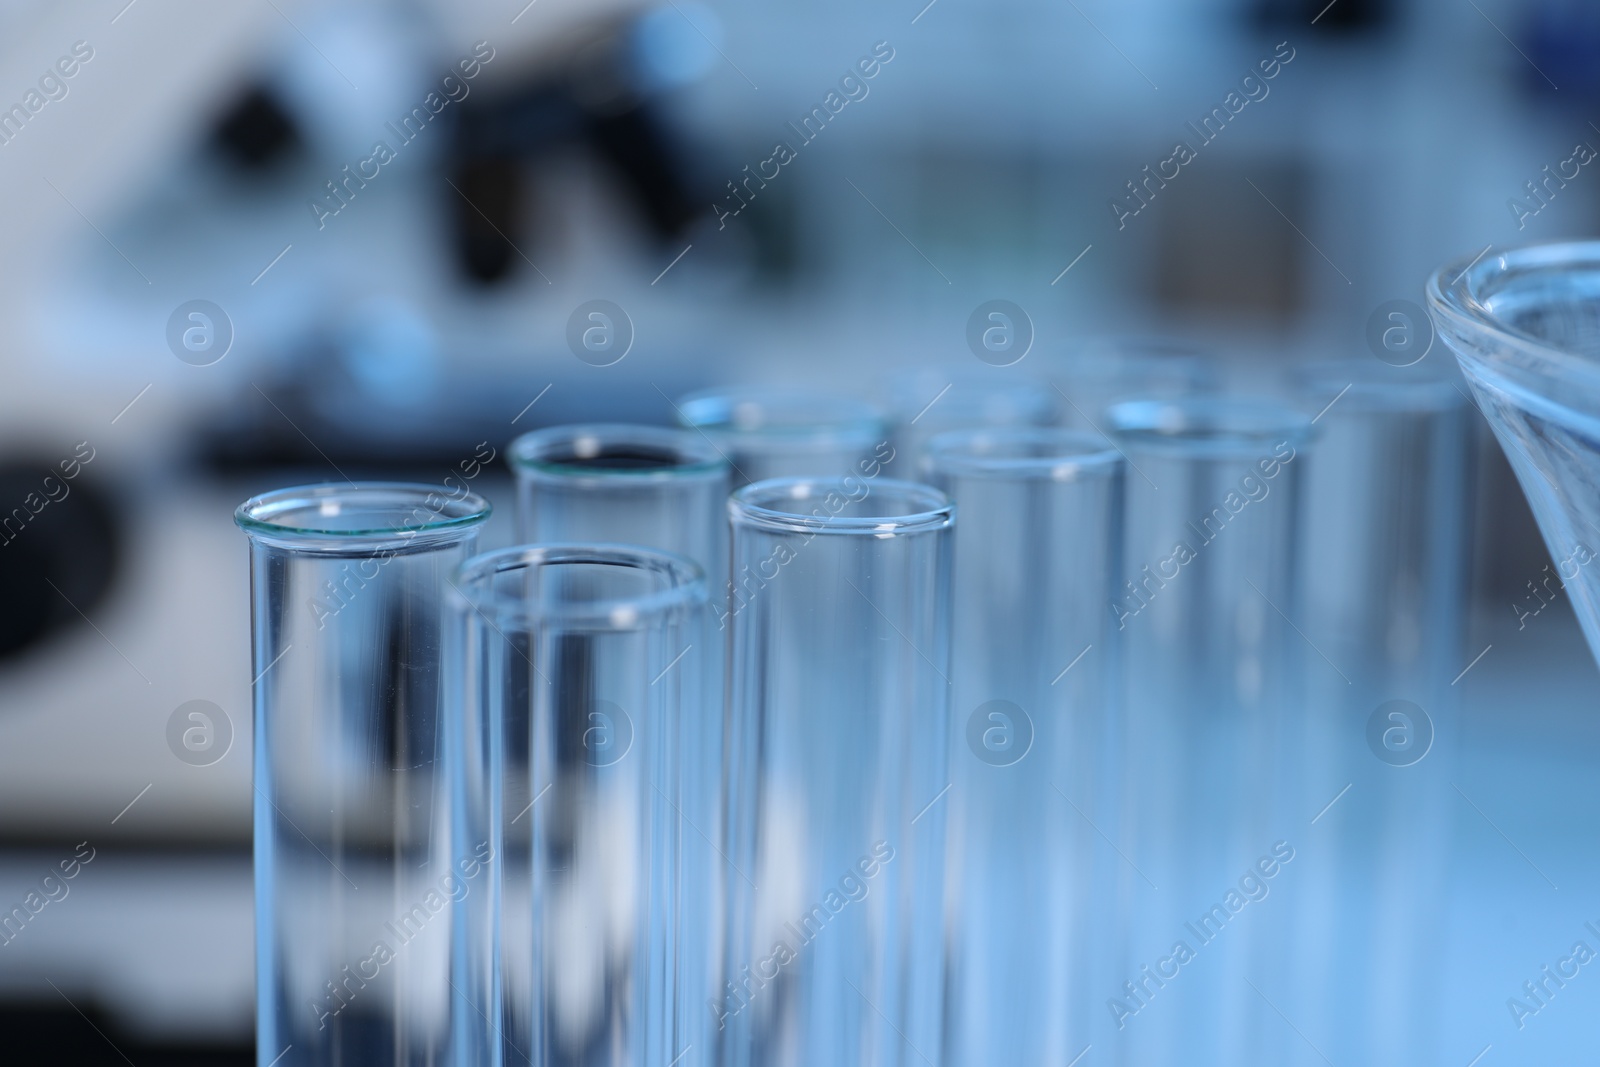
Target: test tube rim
x: 856, y: 420
x: 1080, y: 453
x: 906, y: 391
x: 1245, y: 423
x: 933, y: 510
x: 700, y: 459
x: 686, y: 593
x: 1374, y: 386
x: 458, y: 517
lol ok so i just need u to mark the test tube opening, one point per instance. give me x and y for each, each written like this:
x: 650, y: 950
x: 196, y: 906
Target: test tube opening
x: 360, y: 517
x: 1020, y: 452
x: 614, y: 451
x: 1220, y: 425
x: 606, y: 587
x: 777, y: 410
x: 860, y: 506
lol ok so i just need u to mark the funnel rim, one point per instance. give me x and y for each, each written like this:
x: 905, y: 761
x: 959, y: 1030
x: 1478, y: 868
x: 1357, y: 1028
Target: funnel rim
x: 1455, y: 296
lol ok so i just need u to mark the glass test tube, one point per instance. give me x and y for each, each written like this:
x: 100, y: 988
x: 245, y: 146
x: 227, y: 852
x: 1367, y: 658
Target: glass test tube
x: 1100, y: 372
x: 640, y: 485
x: 579, y: 666
x: 1385, y: 527
x: 1036, y: 553
x: 1210, y: 673
x: 780, y: 432
x: 839, y: 713
x: 929, y: 401
x: 1385, y: 574
x: 664, y: 489
x: 355, y: 865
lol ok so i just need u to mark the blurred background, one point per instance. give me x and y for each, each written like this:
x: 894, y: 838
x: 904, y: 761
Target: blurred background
x: 217, y: 283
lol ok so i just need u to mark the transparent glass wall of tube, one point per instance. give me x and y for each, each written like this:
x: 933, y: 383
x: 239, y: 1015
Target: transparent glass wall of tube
x: 1385, y: 566
x: 839, y: 714
x: 780, y: 432
x: 356, y: 869
x: 1030, y: 881
x: 580, y: 676
x: 1210, y: 787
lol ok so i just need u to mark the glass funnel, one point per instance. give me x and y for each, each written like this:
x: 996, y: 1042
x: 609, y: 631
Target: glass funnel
x: 1525, y: 327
